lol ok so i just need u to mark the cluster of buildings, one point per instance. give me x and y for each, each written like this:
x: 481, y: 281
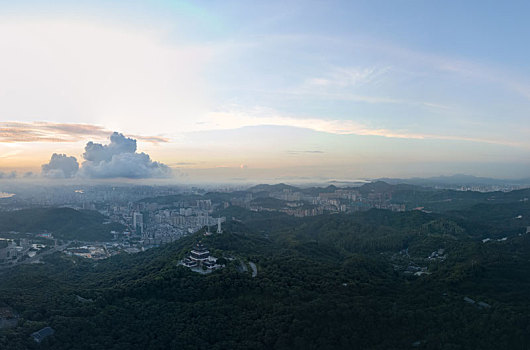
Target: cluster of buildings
x: 154, y: 215
x: 438, y: 255
x: 352, y: 200
x: 89, y: 251
x: 80, y: 196
x: 301, y: 204
x: 303, y: 212
x: 12, y: 251
x: 155, y: 223
x: 188, y: 219
x: 484, y: 188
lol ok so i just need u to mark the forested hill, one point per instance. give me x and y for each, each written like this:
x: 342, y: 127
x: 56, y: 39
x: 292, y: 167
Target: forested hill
x: 372, y: 280
x: 63, y: 223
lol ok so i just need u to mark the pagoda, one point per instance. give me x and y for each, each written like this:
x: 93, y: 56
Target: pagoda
x: 200, y: 257
x: 199, y: 253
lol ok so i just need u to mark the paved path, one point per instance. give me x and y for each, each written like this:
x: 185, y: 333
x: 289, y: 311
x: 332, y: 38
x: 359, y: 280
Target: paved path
x: 242, y: 267
x: 254, y: 268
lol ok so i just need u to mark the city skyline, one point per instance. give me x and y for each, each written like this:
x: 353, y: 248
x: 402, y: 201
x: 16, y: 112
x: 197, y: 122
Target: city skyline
x: 298, y: 90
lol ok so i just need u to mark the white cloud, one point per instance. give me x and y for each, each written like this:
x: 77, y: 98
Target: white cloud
x: 60, y: 166
x: 114, y: 160
x: 120, y: 159
x: 237, y: 117
x: 342, y: 77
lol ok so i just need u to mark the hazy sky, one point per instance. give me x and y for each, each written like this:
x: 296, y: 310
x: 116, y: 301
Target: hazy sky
x: 247, y: 89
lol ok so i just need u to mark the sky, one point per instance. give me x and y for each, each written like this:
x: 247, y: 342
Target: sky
x: 269, y: 90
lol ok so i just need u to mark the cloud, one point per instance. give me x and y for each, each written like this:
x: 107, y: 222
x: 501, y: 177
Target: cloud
x: 466, y: 69
x: 10, y: 175
x: 58, y: 132
x: 60, y: 166
x: 47, y: 132
x: 343, y: 77
x: 234, y: 118
x: 182, y: 163
x: 96, y: 152
x: 151, y: 139
x: 10, y: 154
x: 120, y: 159
x: 296, y: 152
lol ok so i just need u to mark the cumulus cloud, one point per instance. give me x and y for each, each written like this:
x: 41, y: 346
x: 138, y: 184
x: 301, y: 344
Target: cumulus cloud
x: 120, y: 159
x: 60, y: 166
x: 10, y: 175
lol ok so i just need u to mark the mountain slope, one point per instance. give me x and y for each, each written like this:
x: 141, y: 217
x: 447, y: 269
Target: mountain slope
x: 64, y: 223
x: 312, y: 291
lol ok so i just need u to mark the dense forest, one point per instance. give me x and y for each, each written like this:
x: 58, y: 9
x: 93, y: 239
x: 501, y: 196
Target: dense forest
x: 369, y: 280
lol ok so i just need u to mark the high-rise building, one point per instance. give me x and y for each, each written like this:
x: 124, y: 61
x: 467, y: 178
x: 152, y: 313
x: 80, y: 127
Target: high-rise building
x: 219, y: 230
x: 138, y: 222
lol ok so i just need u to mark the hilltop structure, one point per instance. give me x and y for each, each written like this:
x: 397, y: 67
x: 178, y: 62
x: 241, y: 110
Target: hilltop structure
x: 200, y: 258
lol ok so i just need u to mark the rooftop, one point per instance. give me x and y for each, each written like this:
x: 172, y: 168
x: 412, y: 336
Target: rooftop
x: 40, y: 335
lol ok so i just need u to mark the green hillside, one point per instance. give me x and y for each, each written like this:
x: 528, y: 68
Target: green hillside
x: 64, y: 223
x: 326, y: 282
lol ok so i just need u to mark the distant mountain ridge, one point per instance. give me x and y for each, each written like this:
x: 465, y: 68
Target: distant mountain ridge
x: 457, y: 179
